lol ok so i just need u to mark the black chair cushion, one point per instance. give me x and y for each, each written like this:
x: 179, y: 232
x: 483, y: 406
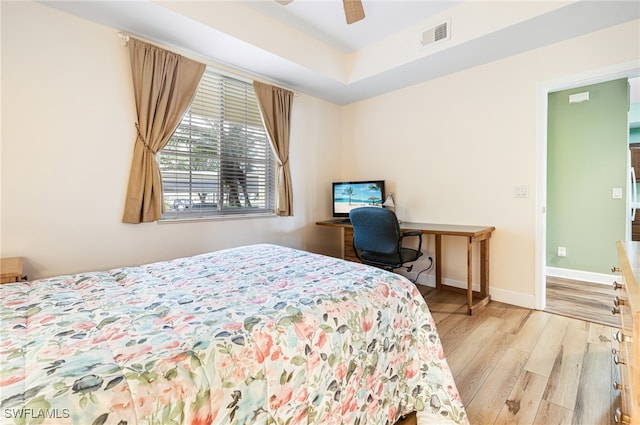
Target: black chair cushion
x: 407, y: 255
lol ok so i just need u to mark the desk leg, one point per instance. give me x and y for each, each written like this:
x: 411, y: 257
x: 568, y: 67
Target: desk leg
x: 484, y: 296
x: 469, y: 275
x: 438, y: 261
x: 484, y: 268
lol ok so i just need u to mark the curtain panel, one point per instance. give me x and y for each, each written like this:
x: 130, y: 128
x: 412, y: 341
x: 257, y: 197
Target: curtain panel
x: 164, y: 85
x: 275, y: 107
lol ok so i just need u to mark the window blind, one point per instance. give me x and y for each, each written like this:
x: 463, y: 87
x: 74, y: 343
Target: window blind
x: 219, y: 161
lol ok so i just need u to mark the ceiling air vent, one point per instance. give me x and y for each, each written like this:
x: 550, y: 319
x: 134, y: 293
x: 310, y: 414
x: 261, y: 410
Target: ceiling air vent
x: 433, y: 35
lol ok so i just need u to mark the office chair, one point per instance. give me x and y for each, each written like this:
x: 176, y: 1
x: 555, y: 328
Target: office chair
x: 377, y: 239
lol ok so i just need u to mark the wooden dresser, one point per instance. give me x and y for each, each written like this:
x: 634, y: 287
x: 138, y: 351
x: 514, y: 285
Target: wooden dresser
x: 627, y: 356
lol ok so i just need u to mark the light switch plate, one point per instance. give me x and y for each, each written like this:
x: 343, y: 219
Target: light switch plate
x: 521, y: 191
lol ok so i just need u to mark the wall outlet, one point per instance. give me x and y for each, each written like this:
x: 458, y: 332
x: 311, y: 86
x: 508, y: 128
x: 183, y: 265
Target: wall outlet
x: 562, y: 251
x: 616, y: 193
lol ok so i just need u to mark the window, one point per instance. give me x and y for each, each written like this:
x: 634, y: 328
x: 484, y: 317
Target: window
x: 219, y: 161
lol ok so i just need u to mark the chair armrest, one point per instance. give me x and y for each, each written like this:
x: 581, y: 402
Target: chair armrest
x: 412, y: 233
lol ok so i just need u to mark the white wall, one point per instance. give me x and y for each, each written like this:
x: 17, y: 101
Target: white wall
x: 67, y: 136
x: 453, y: 149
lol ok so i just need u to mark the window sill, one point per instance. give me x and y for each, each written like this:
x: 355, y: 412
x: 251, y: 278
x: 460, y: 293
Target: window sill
x: 175, y: 220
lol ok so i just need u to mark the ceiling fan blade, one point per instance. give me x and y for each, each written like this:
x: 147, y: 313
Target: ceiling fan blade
x: 353, y: 10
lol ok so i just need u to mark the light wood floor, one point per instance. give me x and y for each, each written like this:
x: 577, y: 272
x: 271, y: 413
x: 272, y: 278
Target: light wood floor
x: 518, y: 366
x: 581, y: 300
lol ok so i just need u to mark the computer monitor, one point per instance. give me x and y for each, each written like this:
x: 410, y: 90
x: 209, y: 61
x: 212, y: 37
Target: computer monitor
x: 349, y: 195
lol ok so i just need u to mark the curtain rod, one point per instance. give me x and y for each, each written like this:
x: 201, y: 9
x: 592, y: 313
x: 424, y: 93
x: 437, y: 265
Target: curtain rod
x: 124, y: 37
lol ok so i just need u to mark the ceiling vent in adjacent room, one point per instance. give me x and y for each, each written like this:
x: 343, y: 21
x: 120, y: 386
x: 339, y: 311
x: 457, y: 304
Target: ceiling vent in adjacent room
x: 437, y: 33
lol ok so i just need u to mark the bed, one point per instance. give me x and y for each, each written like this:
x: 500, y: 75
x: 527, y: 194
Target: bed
x: 260, y: 334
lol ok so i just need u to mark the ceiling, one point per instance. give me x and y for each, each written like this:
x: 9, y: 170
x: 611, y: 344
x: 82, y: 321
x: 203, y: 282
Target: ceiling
x: 324, y: 19
x: 307, y: 46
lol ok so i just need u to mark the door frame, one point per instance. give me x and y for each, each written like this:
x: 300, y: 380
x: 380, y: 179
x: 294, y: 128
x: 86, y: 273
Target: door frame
x: 623, y: 70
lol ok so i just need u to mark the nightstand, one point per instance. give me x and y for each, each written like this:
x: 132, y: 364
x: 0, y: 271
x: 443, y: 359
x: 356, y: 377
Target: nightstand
x: 10, y: 269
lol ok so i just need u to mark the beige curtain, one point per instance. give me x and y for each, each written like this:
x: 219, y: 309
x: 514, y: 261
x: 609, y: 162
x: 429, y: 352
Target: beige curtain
x: 164, y: 85
x: 275, y: 106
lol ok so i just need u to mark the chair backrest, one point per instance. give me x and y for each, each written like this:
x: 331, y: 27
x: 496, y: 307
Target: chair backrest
x: 375, y: 229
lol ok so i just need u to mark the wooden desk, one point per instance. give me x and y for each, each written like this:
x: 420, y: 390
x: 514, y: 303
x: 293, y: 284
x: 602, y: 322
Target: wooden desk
x: 10, y: 269
x: 473, y: 234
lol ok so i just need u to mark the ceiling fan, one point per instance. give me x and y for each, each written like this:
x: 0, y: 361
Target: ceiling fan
x: 353, y: 9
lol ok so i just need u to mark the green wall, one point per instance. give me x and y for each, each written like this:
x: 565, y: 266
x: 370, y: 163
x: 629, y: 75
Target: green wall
x: 587, y: 146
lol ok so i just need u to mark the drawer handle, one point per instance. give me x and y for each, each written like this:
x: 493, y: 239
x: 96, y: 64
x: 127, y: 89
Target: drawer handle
x: 621, y: 418
x: 617, y: 386
x: 620, y: 337
x: 615, y: 310
x: 616, y: 285
x: 617, y: 301
x: 617, y: 361
x: 615, y: 269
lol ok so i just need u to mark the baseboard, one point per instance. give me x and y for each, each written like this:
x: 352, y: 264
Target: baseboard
x: 519, y: 299
x: 602, y: 278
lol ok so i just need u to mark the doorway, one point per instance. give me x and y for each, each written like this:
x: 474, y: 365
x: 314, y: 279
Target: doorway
x: 543, y: 248
x: 587, y: 177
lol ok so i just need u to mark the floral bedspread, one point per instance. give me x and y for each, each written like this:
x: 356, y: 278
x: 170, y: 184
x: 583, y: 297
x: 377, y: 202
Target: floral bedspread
x: 253, y: 335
